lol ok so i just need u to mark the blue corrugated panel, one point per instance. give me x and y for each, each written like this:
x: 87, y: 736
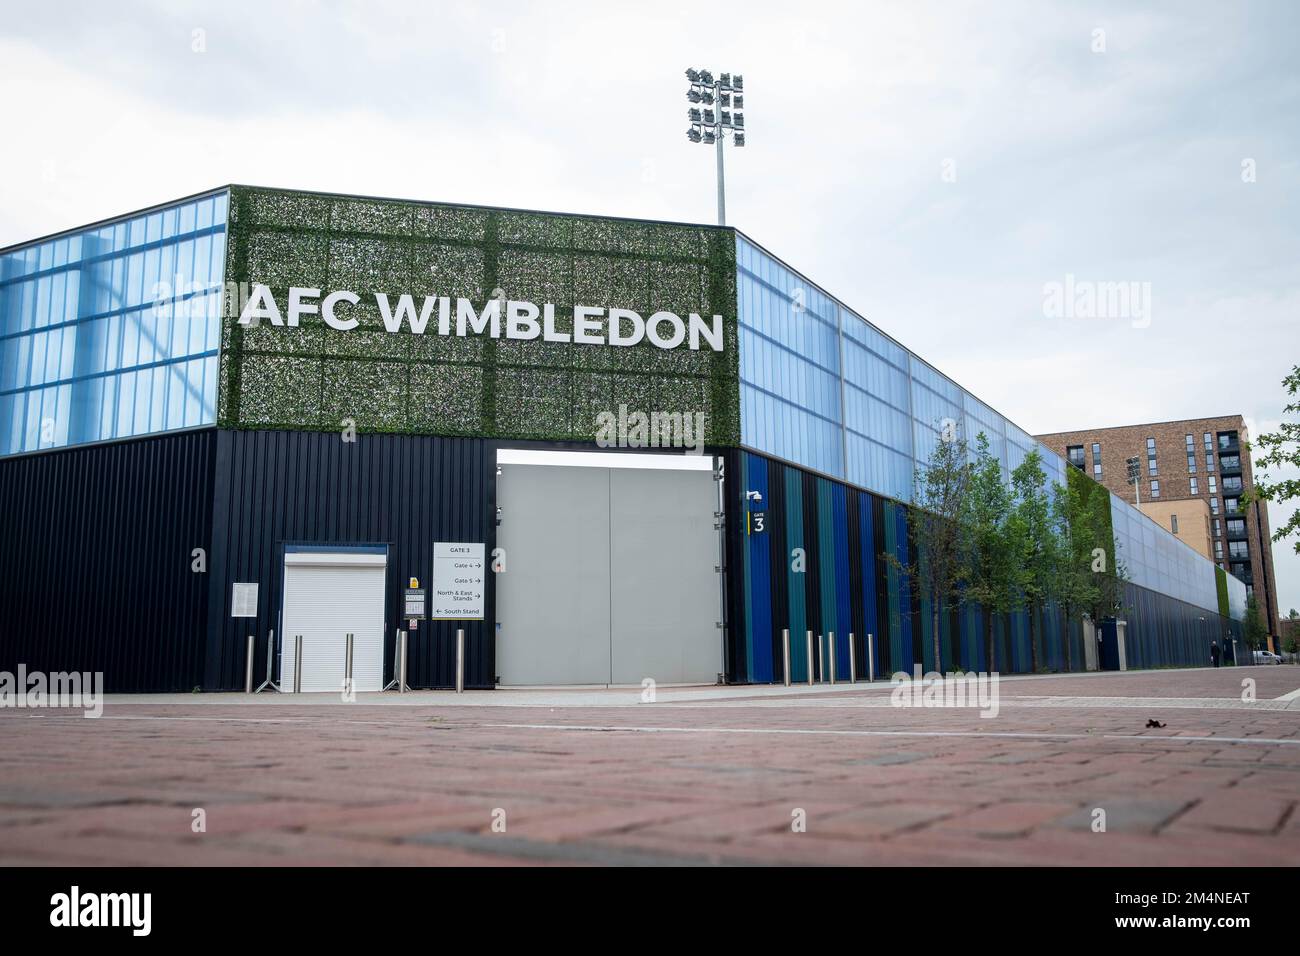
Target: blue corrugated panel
x: 759, y: 581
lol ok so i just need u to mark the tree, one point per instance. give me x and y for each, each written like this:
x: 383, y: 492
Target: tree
x: 1033, y: 542
x: 1074, y: 523
x: 1253, y: 629
x: 934, y: 523
x: 988, y: 565
x: 1281, y: 450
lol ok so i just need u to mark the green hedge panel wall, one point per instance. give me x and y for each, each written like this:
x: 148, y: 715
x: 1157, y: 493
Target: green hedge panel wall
x: 314, y: 377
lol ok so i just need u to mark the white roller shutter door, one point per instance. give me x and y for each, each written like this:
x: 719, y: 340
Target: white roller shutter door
x: 328, y: 595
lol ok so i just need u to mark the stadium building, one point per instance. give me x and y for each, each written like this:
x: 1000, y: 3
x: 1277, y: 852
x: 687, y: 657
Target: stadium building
x: 591, y: 444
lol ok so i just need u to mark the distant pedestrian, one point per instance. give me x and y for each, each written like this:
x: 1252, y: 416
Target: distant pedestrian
x: 1214, y: 653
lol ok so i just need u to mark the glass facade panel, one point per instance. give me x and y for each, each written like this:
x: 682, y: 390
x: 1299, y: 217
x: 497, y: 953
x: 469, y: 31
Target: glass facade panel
x: 112, y: 331
x: 823, y: 388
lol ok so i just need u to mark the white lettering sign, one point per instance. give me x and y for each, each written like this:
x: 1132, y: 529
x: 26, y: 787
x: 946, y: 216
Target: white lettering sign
x: 592, y: 325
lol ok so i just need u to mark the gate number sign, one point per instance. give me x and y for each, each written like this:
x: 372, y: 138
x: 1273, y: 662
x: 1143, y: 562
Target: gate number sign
x: 755, y: 522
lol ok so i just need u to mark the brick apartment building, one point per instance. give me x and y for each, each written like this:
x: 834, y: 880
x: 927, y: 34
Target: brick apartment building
x: 1192, y: 472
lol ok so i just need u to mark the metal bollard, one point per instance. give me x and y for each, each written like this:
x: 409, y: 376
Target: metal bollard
x: 785, y: 655
x: 821, y: 658
x: 871, y: 658
x: 460, y: 660
x: 853, y: 661
x: 248, y: 665
x: 809, y: 659
x: 401, y: 674
x: 297, y: 664
x: 830, y: 650
x: 347, y: 662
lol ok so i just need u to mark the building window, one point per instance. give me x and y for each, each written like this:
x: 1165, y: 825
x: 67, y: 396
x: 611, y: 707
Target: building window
x: 1191, y: 445
x: 1217, y: 528
x: 1236, y: 526
x: 1209, y: 442
x: 1155, y: 488
x: 1232, y: 483
x: 1232, y: 506
x: 1214, y: 506
x: 1173, y: 523
x: 1151, y: 456
x: 1195, y: 491
x: 1227, y: 440
x: 1096, y: 460
x: 1229, y: 462
x: 1218, y: 552
x: 1191, y: 464
x: 1237, y: 549
x: 1075, y: 454
x: 1214, y: 485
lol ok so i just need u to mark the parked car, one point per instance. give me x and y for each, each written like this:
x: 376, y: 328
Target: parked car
x: 1267, y: 657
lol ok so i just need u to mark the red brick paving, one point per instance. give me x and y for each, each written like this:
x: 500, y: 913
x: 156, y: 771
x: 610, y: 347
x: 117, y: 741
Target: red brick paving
x: 380, y: 784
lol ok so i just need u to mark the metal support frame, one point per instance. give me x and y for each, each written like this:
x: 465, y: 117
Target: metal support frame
x: 270, y: 666
x: 399, y: 664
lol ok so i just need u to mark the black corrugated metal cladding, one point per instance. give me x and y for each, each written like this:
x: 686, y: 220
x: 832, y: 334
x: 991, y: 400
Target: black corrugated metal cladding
x: 405, y: 491
x: 96, y: 568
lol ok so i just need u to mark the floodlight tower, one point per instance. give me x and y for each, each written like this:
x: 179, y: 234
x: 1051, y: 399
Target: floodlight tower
x: 715, y: 110
x: 1133, y: 467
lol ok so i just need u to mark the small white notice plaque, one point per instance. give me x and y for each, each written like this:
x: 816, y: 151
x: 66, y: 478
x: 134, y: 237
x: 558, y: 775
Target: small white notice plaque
x: 243, y: 600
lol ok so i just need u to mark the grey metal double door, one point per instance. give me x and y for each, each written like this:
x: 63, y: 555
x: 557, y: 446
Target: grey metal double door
x: 609, y: 576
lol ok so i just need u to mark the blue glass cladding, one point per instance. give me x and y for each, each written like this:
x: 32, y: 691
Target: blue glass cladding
x: 875, y: 423
x: 113, y: 331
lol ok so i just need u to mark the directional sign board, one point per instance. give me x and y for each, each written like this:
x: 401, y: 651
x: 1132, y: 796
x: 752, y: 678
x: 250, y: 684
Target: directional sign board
x: 459, y: 573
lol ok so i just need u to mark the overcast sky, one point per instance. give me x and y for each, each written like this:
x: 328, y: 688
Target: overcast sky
x: 933, y: 165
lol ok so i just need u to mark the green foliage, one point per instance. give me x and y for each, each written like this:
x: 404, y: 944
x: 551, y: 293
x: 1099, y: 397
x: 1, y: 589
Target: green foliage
x: 1281, y: 450
x: 1253, y: 629
x: 989, y: 572
x: 1092, y: 547
x: 313, y: 377
x: 1033, y: 541
x: 1221, y: 583
x: 935, y: 519
x: 1075, y: 583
